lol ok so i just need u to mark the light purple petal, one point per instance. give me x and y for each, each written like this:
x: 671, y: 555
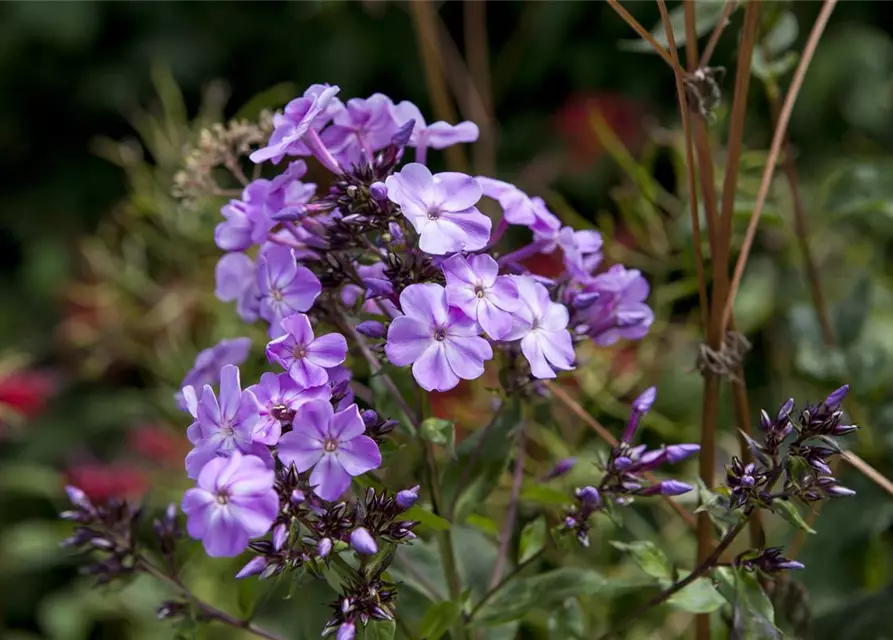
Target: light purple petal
x: 558, y: 348
x: 307, y: 374
x: 329, y: 478
x: 496, y: 322
x: 230, y: 392
x: 312, y: 419
x: 458, y: 271
x: 255, y: 514
x: 425, y: 302
x: 432, y: 370
x: 460, y: 325
x: 441, y: 135
x: 359, y: 455
x: 346, y: 424
x: 466, y: 356
x: 456, y: 191
x: 277, y: 267
x: 302, y: 291
x: 485, y: 267
x: 225, y: 536
x: 533, y: 351
x: 329, y: 350
x: 442, y: 236
x: 208, y: 410
x: 556, y: 317
x: 475, y: 225
x: 233, y: 274
x: 300, y: 449
x: 195, y: 504
x: 298, y: 326
x: 407, y: 340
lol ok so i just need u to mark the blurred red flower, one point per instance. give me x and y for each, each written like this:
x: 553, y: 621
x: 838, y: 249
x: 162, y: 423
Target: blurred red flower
x: 103, y: 481
x: 574, y: 121
x: 27, y: 392
x: 155, y: 443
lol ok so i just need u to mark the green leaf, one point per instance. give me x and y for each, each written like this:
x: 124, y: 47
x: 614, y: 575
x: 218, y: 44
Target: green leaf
x: 427, y: 518
x: 782, y: 35
x: 543, y: 495
x: 753, y: 615
x: 773, y: 69
x: 716, y: 504
x: 523, y: 594
x: 380, y: 630
x: 568, y: 621
x: 649, y: 558
x: 707, y: 14
x: 481, y: 459
x: 698, y: 597
x: 440, y: 432
x: 787, y: 510
x: 438, y: 619
x: 533, y: 539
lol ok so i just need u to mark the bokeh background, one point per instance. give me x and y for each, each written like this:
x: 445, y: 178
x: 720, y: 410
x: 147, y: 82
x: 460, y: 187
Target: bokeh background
x: 106, y: 283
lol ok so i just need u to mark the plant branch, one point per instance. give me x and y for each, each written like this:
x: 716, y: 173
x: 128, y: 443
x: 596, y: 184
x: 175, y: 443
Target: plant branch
x: 731, y: 5
x: 606, y: 435
x: 706, y: 565
x: 775, y: 149
x: 642, y: 31
x: 210, y: 611
x: 505, y: 535
x: 505, y: 581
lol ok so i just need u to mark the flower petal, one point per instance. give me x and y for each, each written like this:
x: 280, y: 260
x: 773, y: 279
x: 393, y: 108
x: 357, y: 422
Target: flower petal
x: 346, y: 424
x: 298, y: 326
x: 496, y: 322
x: 558, y: 348
x: 255, y: 514
x: 432, y: 370
x: 533, y: 351
x: 442, y: 236
x: 458, y: 271
x: 329, y: 350
x: 312, y: 419
x: 504, y: 294
x: 485, y: 268
x: 307, y: 374
x: 359, y: 455
x: 474, y: 224
x: 466, y: 356
x: 425, y: 302
x: 300, y: 450
x: 329, y: 478
x: 224, y: 536
x: 407, y: 340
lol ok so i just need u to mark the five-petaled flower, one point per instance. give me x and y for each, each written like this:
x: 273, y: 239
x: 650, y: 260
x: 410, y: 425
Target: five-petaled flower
x: 330, y: 443
x: 441, y: 208
x: 441, y: 342
x: 475, y: 286
x: 305, y: 357
x: 233, y: 503
x: 285, y: 287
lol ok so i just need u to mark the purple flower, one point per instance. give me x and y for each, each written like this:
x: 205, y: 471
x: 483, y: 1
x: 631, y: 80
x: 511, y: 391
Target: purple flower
x: 235, y: 234
x: 541, y: 325
x: 256, y: 565
x: 236, y: 280
x: 474, y: 285
x: 620, y: 311
x: 561, y: 467
x: 371, y: 329
x: 233, y: 503
x: 517, y: 207
x: 836, y: 397
x: 440, y: 208
x: 440, y: 342
x: 332, y: 444
x: 667, y: 488
x: 311, y: 110
x: 278, y: 394
x: 438, y: 135
x: 346, y: 631
x: 306, y: 358
x: 285, y: 287
x: 363, y: 542
x: 641, y: 406
x: 210, y: 361
x: 408, y: 497
x: 227, y: 425
x: 359, y: 129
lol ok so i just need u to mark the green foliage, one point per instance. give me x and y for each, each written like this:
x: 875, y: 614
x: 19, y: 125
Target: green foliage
x: 438, y: 619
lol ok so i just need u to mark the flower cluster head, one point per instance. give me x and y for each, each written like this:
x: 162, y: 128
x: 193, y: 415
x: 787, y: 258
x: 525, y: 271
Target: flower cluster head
x: 795, y: 451
x: 626, y: 471
x: 395, y: 262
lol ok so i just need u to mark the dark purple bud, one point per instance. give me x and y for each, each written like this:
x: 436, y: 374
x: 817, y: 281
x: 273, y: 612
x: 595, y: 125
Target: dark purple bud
x: 819, y: 465
x: 378, y: 287
x: 255, y: 566
x: 290, y: 213
x: 280, y: 535
x: 396, y: 232
x: 561, y: 467
x: 785, y: 410
x: 570, y: 522
x: 790, y: 565
x: 667, y: 488
x: 584, y: 300
x: 379, y: 613
x: 369, y: 416
x: 363, y: 542
x: 747, y: 481
x: 324, y: 547
x: 76, y: 516
x: 641, y: 406
x: 765, y: 420
x: 408, y: 497
x: 297, y: 496
x: 835, y: 398
x: 589, y: 497
x: 401, y: 139
x: 78, y: 498
x: 622, y: 463
x: 839, y: 491
x: 650, y: 459
x: 378, y: 190
x: 371, y: 329
x: 387, y: 426
x: 346, y: 631
x: 843, y: 429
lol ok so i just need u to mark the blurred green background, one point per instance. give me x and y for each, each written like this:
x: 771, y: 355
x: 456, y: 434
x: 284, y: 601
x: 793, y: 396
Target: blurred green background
x: 106, y: 284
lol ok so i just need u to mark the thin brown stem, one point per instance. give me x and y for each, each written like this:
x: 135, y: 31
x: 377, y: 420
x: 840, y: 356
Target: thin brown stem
x: 477, y: 57
x: 606, y: 435
x: 775, y: 149
x: 717, y: 32
x: 505, y: 535
x: 425, y: 25
x: 642, y: 31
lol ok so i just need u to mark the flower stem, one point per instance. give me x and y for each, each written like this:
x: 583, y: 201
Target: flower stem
x: 208, y: 611
x: 505, y: 536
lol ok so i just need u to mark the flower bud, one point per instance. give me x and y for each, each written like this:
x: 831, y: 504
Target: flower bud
x: 290, y: 213
x: 843, y: 429
x: 346, y: 631
x: 584, y: 300
x: 378, y: 190
x: 765, y: 420
x: 408, y: 497
x: 667, y: 488
x: 297, y: 496
x: 679, y: 452
x: 371, y: 329
x: 369, y: 416
x: 561, y: 467
x: 589, y: 497
x: 835, y: 398
x: 256, y: 565
x: 78, y: 498
x: 280, y: 535
x: 324, y: 547
x: 363, y: 542
x: 785, y: 410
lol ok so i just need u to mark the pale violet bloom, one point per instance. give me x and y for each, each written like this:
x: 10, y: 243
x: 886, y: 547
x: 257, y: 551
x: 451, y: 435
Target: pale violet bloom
x: 285, y: 287
x: 475, y: 286
x: 438, y: 135
x: 279, y: 395
x: 517, y: 207
x: 304, y: 356
x: 312, y: 110
x: 332, y: 444
x: 440, y: 208
x: 541, y: 325
x: 441, y: 343
x: 233, y: 503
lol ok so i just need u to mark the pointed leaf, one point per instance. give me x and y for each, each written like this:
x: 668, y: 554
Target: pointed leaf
x: 787, y: 510
x: 438, y: 619
x: 698, y: 597
x: 649, y: 558
x: 440, y: 432
x: 533, y: 539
